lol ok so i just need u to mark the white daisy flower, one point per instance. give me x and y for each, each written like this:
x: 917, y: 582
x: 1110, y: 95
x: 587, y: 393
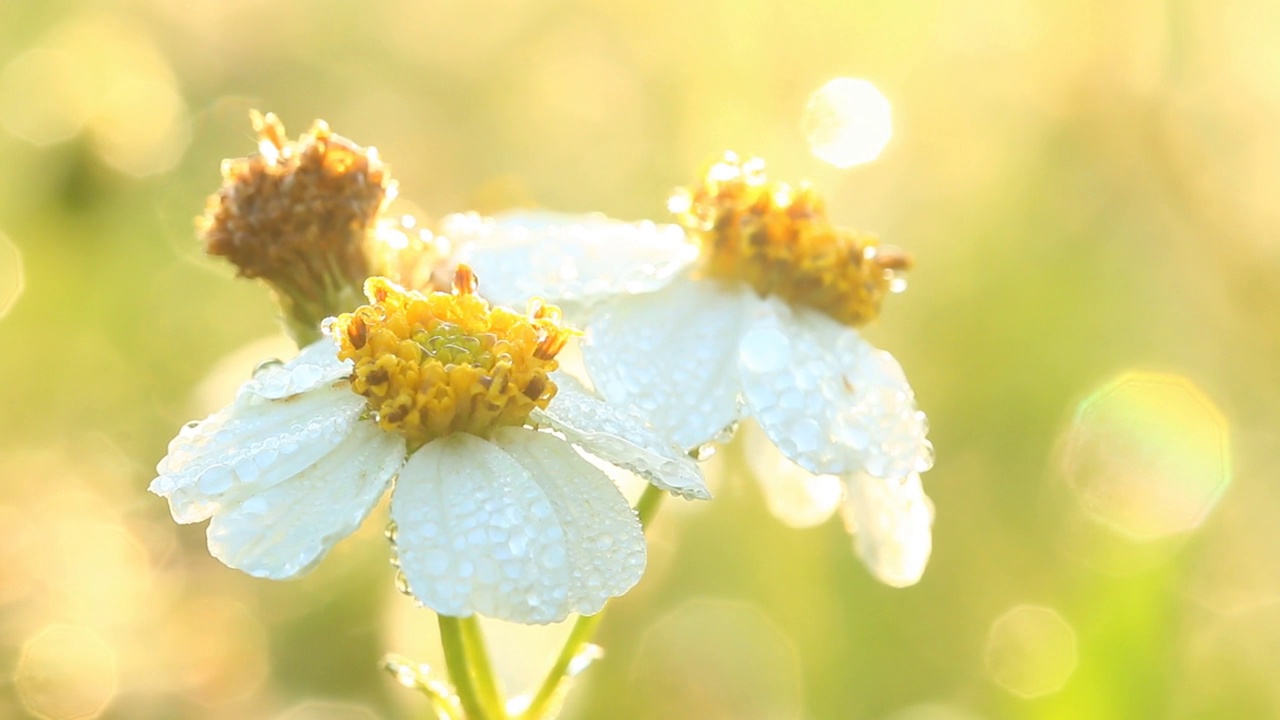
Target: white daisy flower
x: 456, y: 401
x: 754, y: 313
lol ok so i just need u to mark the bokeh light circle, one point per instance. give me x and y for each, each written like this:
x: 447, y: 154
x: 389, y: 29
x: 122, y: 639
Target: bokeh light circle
x: 103, y: 77
x: 66, y: 673
x: 847, y: 122
x: 1031, y: 651
x: 712, y: 658
x: 1148, y: 455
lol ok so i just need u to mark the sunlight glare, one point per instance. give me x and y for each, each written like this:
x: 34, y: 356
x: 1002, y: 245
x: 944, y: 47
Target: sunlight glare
x: 847, y: 122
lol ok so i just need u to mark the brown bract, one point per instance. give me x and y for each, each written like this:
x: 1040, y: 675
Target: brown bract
x: 779, y: 240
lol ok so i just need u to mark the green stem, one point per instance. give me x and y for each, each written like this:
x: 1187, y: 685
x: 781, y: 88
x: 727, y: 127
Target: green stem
x: 647, y: 505
x: 485, y: 680
x: 455, y: 657
x: 584, y: 628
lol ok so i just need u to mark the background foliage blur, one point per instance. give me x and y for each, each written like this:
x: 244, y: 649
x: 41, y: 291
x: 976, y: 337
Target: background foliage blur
x: 1089, y: 189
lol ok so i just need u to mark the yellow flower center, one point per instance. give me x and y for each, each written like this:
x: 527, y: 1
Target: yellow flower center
x: 436, y: 364
x: 779, y: 240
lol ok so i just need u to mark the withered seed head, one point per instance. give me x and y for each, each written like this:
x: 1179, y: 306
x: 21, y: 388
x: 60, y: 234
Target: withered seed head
x: 299, y: 215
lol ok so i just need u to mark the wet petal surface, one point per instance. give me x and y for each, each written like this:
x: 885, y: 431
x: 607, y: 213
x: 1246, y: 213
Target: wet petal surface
x: 672, y: 354
x: 251, y: 446
x: 829, y: 400
x: 620, y: 436
x: 566, y: 258
x: 520, y: 528
x: 892, y: 523
x: 285, y: 530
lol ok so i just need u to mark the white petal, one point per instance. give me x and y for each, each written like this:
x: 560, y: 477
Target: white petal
x: 285, y: 530
x: 472, y: 529
x: 564, y: 257
x: 828, y: 399
x: 605, y: 543
x: 620, y: 436
x: 673, y: 355
x: 250, y: 446
x: 477, y: 532
x: 892, y: 520
x: 794, y: 495
x: 315, y: 365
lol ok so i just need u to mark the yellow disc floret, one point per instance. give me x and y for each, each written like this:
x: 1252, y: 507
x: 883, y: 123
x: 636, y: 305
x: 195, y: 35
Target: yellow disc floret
x: 779, y: 240
x: 441, y: 363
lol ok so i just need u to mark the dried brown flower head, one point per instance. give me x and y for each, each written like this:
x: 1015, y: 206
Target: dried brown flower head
x: 301, y: 216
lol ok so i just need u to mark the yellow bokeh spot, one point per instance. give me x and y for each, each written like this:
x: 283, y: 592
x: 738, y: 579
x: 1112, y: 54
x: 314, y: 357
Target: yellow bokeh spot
x: 435, y: 364
x: 1031, y: 651
x: 779, y: 240
x: 98, y: 76
x: 66, y: 672
x: 847, y: 122
x: 1148, y: 455
x: 217, y: 650
x: 713, y: 658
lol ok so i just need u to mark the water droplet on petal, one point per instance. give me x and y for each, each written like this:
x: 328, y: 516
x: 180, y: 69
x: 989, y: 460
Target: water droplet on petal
x: 703, y: 452
x: 402, y: 584
x: 266, y: 365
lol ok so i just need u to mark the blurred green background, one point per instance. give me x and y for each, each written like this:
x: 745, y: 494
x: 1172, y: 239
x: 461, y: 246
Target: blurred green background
x: 1089, y: 189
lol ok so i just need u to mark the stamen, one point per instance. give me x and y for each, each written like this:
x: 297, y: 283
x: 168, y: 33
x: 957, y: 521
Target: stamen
x: 435, y: 364
x: 779, y: 240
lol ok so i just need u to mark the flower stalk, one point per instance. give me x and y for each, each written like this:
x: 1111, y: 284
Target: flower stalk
x: 584, y: 628
x: 462, y: 671
x: 472, y: 672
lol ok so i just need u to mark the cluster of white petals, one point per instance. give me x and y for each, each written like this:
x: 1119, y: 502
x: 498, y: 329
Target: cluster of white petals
x: 516, y: 526
x: 695, y: 355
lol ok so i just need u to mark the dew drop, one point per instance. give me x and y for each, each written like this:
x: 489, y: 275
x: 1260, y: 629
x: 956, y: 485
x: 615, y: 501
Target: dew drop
x: 703, y: 452
x: 402, y: 584
x: 727, y: 432
x: 266, y: 365
x: 215, y: 481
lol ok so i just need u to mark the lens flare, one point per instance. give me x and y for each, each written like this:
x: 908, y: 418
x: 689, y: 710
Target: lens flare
x: 1148, y: 455
x: 847, y: 122
x: 1031, y: 651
